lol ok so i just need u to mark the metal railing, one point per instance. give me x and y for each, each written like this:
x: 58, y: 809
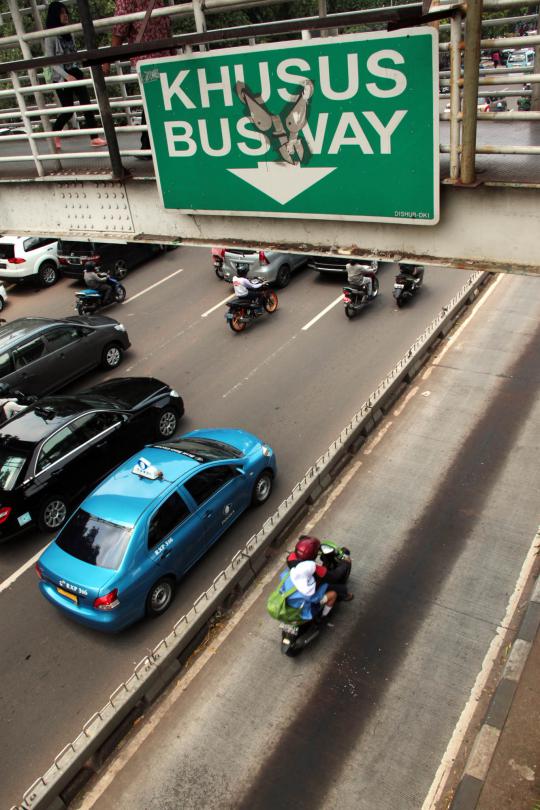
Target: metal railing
x: 32, y: 117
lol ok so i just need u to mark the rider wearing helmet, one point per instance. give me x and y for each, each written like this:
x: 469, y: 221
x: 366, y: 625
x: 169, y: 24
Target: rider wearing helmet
x: 358, y: 276
x: 244, y: 287
x: 412, y: 272
x: 97, y: 280
x: 308, y: 549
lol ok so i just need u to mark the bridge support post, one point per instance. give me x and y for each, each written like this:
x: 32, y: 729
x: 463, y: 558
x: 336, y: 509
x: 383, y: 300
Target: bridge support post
x: 473, y: 34
x: 118, y: 171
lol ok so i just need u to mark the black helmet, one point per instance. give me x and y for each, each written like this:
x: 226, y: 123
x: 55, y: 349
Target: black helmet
x: 242, y: 271
x: 89, y: 267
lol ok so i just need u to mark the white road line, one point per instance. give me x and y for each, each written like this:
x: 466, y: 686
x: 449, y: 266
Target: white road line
x: 142, y: 292
x: 20, y: 571
x: 217, y: 306
x: 377, y: 438
x: 325, y: 310
x: 405, y: 401
x: 452, y: 339
x: 150, y: 723
x: 493, y: 653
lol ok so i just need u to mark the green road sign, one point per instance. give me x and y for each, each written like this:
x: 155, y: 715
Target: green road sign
x: 333, y: 128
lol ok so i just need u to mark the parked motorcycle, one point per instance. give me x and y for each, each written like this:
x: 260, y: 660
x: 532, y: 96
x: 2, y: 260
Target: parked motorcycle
x: 12, y: 401
x: 408, y: 282
x: 244, y: 310
x: 295, y: 637
x: 89, y: 301
x: 355, y: 298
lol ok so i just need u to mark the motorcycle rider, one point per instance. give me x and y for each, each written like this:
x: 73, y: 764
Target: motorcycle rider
x: 246, y: 288
x: 412, y: 272
x: 96, y: 279
x: 358, y: 276
x: 314, y: 600
x: 309, y: 548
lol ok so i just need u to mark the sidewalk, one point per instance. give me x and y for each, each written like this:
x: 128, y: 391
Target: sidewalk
x: 503, y: 768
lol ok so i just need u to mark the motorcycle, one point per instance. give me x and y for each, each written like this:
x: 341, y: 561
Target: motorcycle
x: 355, y: 298
x: 295, y: 637
x: 407, y: 285
x: 88, y: 301
x: 244, y: 310
x: 218, y: 255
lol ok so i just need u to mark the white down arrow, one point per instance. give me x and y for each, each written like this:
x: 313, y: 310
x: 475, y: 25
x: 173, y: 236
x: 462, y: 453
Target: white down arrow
x: 281, y: 181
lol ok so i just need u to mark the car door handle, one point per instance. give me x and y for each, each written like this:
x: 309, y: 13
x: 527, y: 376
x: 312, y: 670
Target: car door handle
x: 165, y: 554
x: 208, y: 514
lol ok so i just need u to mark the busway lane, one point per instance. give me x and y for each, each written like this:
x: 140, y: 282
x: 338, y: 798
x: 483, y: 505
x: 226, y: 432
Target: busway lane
x: 71, y: 670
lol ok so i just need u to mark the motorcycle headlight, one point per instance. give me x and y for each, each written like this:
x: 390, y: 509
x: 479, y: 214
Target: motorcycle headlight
x: 120, y: 327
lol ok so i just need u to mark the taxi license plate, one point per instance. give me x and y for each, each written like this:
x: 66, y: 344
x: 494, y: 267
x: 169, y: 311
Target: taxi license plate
x: 69, y: 595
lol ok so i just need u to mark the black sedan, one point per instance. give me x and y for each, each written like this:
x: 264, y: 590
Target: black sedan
x: 53, y: 453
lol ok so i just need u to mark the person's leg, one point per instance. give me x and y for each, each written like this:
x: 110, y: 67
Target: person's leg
x: 65, y: 96
x: 90, y: 121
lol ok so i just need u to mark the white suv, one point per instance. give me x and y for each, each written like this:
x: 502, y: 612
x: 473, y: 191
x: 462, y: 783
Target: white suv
x: 29, y: 257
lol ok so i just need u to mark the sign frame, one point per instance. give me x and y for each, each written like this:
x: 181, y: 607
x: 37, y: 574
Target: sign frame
x: 204, y: 56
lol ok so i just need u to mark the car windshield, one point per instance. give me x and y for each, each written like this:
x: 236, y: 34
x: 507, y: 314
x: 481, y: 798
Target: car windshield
x: 12, y: 464
x: 94, y: 540
x: 202, y: 450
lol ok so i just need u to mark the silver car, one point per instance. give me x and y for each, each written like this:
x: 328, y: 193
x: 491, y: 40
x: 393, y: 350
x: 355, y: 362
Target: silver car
x: 268, y: 265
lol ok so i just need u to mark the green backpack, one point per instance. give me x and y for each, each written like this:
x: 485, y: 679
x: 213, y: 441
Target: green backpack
x: 279, y: 609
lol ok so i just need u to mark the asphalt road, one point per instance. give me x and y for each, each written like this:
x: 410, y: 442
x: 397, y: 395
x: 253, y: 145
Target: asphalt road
x: 440, y: 510
x: 294, y: 386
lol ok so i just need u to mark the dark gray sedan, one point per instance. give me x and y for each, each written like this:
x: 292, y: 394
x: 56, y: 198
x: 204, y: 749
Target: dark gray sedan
x: 40, y: 355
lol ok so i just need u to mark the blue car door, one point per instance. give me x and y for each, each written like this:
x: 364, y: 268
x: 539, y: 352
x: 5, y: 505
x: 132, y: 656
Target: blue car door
x: 174, y: 536
x: 221, y: 494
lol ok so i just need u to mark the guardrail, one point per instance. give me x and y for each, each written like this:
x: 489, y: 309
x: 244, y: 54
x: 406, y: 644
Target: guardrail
x: 79, y: 759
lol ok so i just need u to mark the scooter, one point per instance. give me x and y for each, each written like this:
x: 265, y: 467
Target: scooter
x: 243, y: 311
x: 408, y: 283
x: 356, y: 298
x: 88, y: 301
x: 295, y: 637
x: 218, y: 255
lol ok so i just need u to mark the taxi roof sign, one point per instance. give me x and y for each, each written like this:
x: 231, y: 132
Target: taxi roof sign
x: 144, y: 469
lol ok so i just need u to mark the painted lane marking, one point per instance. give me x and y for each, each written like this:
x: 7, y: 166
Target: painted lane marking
x: 406, y: 401
x: 461, y: 327
x: 321, y: 314
x: 151, y: 287
x: 255, y: 369
x: 20, y: 571
x: 213, y: 309
x: 377, y: 438
x: 494, y: 650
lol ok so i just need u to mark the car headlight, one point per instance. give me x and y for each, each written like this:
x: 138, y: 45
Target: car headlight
x: 174, y: 393
x: 266, y: 451
x: 120, y: 327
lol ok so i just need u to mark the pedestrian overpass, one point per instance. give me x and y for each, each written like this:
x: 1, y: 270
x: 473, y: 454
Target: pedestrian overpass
x: 488, y: 156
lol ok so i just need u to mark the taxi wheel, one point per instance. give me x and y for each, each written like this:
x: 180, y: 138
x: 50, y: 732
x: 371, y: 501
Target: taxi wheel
x: 52, y: 514
x: 160, y: 597
x: 262, y: 488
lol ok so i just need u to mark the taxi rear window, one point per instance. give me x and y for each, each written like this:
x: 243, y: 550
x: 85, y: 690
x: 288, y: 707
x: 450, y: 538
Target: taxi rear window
x: 202, y: 450
x: 94, y: 540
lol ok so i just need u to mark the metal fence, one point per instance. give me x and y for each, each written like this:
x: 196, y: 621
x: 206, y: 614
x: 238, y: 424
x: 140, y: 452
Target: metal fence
x: 26, y: 120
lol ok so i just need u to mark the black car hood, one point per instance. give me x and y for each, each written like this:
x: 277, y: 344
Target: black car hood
x: 127, y: 391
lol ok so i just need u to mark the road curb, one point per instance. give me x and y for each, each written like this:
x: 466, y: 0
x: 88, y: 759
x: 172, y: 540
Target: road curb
x: 81, y: 758
x: 483, y: 750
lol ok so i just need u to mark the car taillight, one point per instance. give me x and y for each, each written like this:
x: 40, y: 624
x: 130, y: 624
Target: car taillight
x: 39, y: 572
x: 222, y: 253
x: 16, y: 260
x: 262, y: 257
x: 107, y: 602
x: 5, y: 512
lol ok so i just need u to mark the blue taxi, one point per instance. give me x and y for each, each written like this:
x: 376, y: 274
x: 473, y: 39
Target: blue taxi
x: 122, y: 553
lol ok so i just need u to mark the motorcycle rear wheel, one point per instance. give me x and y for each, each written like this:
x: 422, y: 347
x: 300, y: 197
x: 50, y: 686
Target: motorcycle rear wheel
x: 120, y: 294
x: 349, y: 311
x: 235, y: 323
x: 271, y: 302
x: 82, y: 309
